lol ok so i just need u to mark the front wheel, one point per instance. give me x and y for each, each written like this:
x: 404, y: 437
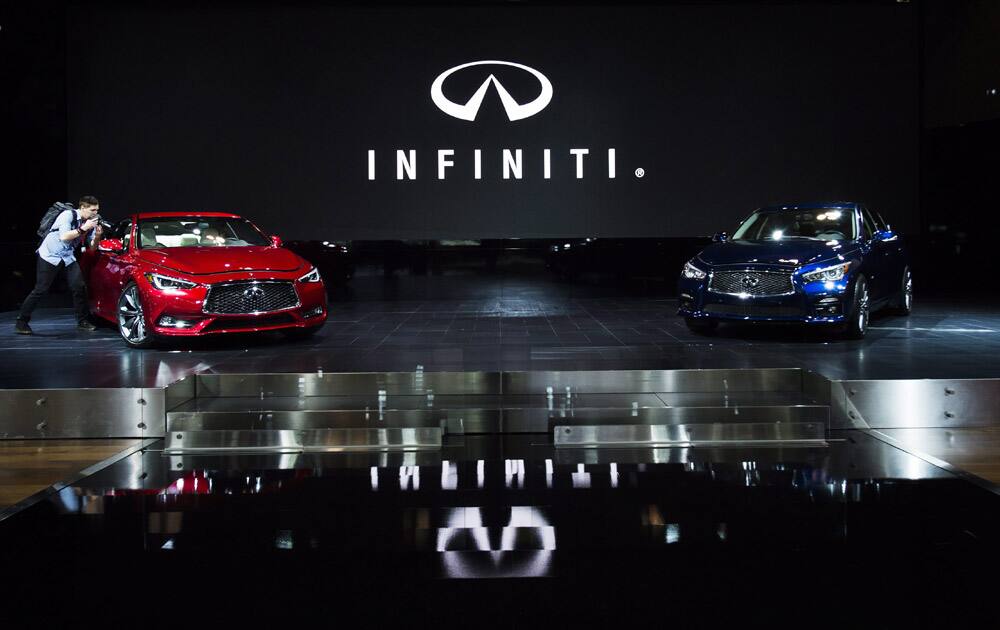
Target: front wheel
x: 857, y: 321
x: 904, y: 304
x: 131, y: 319
x: 701, y: 326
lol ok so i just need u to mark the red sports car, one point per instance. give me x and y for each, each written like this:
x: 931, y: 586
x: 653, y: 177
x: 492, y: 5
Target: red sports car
x: 184, y: 274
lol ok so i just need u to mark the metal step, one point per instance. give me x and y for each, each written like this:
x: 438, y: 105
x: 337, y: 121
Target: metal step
x: 403, y: 411
x: 686, y: 435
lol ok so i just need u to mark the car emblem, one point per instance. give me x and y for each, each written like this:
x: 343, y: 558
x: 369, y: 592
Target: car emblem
x: 253, y: 293
x: 750, y: 281
x: 468, y: 111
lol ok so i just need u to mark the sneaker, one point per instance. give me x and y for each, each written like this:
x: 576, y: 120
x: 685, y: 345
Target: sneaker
x: 86, y: 326
x: 21, y: 327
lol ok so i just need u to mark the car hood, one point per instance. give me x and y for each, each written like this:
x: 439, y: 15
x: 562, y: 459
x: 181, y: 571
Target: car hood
x: 208, y: 260
x: 786, y: 253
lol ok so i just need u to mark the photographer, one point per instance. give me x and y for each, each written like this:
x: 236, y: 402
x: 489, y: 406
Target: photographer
x: 70, y: 230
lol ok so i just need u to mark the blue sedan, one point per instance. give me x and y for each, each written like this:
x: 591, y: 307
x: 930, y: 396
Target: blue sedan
x: 828, y: 264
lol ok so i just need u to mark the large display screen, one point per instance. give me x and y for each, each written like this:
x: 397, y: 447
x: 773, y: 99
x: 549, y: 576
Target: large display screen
x: 493, y: 122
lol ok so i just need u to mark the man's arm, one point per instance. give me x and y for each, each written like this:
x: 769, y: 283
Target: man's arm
x: 65, y: 232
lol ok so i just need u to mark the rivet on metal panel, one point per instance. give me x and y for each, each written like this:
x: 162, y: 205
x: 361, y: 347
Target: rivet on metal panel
x: 180, y: 436
x: 948, y: 391
x: 42, y: 425
x: 141, y: 425
x: 852, y: 392
x: 949, y: 414
x: 40, y: 401
x: 143, y: 475
x: 852, y: 415
x: 141, y: 401
x: 180, y: 465
x: 567, y: 430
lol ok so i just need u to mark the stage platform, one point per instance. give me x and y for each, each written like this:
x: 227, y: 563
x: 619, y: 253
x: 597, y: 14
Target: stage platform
x: 520, y: 328
x: 414, y: 455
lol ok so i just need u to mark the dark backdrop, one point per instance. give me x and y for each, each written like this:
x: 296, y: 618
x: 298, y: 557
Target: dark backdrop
x: 270, y: 111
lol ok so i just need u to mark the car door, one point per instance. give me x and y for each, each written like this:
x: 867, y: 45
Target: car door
x: 894, y: 252
x: 110, y: 272
x: 879, y: 262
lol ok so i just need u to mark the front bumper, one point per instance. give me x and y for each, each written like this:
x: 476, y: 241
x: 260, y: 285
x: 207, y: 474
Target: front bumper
x: 810, y: 303
x: 179, y: 313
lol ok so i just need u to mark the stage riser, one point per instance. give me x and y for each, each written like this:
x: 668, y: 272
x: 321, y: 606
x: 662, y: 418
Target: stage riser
x: 913, y: 404
x: 82, y: 413
x: 304, y: 441
x: 507, y: 383
x: 716, y: 434
x: 471, y: 421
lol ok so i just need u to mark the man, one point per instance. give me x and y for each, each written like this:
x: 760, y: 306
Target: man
x: 69, y: 231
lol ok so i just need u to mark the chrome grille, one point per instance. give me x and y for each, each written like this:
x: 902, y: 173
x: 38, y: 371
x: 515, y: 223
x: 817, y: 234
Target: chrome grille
x: 753, y: 283
x: 236, y: 298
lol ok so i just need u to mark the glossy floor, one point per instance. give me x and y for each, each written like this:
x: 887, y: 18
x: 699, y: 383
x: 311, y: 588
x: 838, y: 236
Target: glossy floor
x: 753, y: 533
x: 523, y: 327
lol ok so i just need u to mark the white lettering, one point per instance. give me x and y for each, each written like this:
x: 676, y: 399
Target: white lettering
x: 406, y: 163
x: 579, y: 153
x: 442, y: 162
x: 512, y: 163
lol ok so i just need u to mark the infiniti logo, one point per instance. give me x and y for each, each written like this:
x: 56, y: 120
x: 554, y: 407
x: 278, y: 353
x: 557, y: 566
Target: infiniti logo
x: 253, y: 293
x: 468, y: 111
x: 750, y: 281
x: 507, y: 163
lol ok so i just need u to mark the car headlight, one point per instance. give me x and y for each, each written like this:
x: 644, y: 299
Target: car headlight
x: 692, y: 272
x: 166, y: 282
x: 312, y: 276
x: 827, y: 274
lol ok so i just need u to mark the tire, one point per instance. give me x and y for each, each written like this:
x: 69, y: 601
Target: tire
x: 857, y: 321
x: 904, y: 303
x: 131, y: 319
x: 301, y: 333
x: 701, y: 326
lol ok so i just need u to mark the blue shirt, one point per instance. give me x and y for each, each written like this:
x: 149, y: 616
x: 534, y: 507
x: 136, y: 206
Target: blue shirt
x: 53, y: 249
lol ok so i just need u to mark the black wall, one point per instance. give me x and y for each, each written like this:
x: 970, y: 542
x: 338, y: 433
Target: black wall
x: 270, y: 110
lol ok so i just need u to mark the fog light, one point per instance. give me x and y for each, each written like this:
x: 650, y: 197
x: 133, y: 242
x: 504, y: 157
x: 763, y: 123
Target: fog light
x: 169, y: 322
x: 313, y: 312
x: 828, y: 306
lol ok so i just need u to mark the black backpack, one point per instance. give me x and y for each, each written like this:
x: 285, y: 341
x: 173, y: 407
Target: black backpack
x: 45, y: 226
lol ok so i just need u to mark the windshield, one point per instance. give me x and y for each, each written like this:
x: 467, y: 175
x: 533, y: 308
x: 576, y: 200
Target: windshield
x: 199, y: 232
x: 824, y: 224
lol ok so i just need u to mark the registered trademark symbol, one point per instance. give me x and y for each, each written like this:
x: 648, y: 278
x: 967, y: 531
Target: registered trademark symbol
x: 639, y: 172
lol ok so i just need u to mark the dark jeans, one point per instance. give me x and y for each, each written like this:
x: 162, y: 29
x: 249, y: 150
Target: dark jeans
x: 46, y: 273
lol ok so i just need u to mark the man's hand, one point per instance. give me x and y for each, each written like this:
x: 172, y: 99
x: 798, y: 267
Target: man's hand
x: 89, y: 225
x: 98, y: 232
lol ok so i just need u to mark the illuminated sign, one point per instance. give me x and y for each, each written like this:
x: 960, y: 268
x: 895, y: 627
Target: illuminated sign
x: 468, y: 111
x: 511, y: 161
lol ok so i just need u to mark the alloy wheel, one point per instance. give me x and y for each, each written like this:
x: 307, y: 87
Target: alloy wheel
x: 862, y: 313
x: 908, y: 292
x: 131, y: 323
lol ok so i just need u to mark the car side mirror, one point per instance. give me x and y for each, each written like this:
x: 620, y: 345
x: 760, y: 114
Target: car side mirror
x: 720, y: 237
x: 276, y: 241
x: 111, y: 245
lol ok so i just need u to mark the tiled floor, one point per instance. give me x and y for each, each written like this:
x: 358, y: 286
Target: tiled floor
x: 519, y: 328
